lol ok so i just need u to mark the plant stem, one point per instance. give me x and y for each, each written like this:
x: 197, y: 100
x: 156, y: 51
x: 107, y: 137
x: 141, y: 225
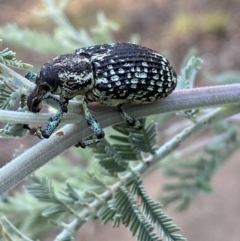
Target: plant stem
x: 179, y: 100
x: 31, y: 160
x: 162, y: 152
x: 44, y: 151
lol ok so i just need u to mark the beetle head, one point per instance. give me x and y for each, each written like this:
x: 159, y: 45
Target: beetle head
x: 66, y: 75
x: 46, y: 81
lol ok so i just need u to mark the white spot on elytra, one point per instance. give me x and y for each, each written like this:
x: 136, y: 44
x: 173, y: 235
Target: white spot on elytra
x: 121, y: 71
x: 164, y: 59
x: 156, y: 77
x: 112, y: 71
x: 152, y: 82
x: 150, y: 88
x: 160, y: 90
x: 145, y: 64
x: 141, y: 75
x: 154, y: 70
x: 115, y: 78
x: 134, y: 81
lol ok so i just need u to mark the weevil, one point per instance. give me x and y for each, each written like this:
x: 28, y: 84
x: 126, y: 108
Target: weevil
x: 111, y: 74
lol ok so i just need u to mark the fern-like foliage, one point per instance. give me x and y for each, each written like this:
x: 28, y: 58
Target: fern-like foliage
x: 187, y: 78
x: 8, y: 93
x: 153, y: 211
x: 7, y: 57
x: 195, y: 176
x: 10, y: 232
x: 135, y: 209
x: 43, y: 190
x: 128, y: 146
x: 188, y: 73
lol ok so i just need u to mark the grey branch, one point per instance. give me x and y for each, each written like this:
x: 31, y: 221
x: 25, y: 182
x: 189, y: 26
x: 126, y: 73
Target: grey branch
x: 19, y: 168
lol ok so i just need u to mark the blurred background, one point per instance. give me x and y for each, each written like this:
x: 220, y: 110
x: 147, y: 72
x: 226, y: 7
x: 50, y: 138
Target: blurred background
x: 172, y: 28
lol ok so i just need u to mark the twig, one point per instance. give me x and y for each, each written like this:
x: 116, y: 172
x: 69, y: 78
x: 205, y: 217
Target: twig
x: 19, y: 168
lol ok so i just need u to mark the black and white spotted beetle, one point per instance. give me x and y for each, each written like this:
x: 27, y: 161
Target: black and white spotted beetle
x: 111, y: 74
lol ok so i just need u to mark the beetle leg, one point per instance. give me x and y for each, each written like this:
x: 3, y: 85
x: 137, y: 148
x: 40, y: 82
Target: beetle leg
x: 53, y: 121
x: 94, y: 125
x: 63, y: 103
x: 130, y: 121
x: 31, y: 76
x: 52, y: 124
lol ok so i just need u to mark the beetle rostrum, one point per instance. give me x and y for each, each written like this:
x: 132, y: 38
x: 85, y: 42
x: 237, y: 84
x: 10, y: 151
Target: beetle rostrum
x: 111, y: 74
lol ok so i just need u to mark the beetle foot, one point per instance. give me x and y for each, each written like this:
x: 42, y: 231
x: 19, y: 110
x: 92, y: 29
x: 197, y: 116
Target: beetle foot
x: 130, y: 121
x: 35, y: 131
x: 86, y: 143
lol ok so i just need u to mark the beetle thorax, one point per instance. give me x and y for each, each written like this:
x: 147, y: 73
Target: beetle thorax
x: 74, y: 73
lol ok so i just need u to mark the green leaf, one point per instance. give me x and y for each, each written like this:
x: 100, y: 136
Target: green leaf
x: 132, y: 217
x: 7, y: 57
x: 112, y: 157
x: 154, y: 213
x: 42, y: 189
x: 56, y: 209
x: 188, y: 73
x: 194, y: 177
